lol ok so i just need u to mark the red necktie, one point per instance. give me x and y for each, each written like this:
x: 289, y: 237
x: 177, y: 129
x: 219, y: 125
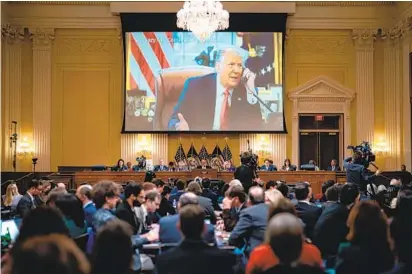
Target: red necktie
x: 224, y: 111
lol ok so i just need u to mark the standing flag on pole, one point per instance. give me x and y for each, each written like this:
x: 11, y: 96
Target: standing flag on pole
x: 217, y: 158
x: 203, y: 154
x: 180, y: 154
x: 226, y: 153
x: 192, y: 157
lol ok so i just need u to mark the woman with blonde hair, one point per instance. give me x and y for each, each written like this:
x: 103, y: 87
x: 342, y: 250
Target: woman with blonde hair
x: 272, y: 196
x: 12, y: 197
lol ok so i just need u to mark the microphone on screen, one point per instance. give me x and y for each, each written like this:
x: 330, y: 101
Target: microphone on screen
x: 248, y: 79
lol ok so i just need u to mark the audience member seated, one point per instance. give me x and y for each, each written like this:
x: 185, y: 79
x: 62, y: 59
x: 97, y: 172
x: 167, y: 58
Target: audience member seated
x: 204, y: 202
x: 134, y: 197
x: 369, y: 249
x: 330, y: 229
x: 180, y: 187
x: 270, y: 185
x: 168, y: 231
x: 287, y: 166
x: 73, y: 213
x: 112, y: 252
x: 401, y: 228
x: 332, y: 195
x: 193, y: 255
x: 27, y: 201
x: 307, y: 212
x: 283, y: 188
x: 272, y: 196
x: 208, y: 193
x: 53, y: 194
x: 105, y: 197
x: 166, y: 207
x: 325, y: 187
x: 250, y: 228
x: 263, y: 257
x: 150, y: 205
x: 12, y: 197
x: 84, y: 193
x: 268, y: 166
x: 285, y: 230
x: 232, y: 205
x: 50, y: 254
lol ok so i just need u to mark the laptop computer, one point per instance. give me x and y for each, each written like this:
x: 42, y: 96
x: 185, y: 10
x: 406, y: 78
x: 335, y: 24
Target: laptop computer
x: 9, y: 232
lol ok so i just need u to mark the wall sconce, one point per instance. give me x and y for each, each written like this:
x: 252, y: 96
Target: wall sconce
x: 381, y: 148
x: 24, y: 149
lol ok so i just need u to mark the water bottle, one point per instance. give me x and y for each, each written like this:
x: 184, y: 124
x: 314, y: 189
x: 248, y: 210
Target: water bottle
x: 174, y: 203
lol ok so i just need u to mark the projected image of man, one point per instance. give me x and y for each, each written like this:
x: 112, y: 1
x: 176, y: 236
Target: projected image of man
x: 221, y: 100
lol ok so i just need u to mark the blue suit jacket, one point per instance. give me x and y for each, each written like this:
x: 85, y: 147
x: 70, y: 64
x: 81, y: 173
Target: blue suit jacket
x: 270, y: 168
x: 197, y: 105
x: 89, y: 211
x: 250, y: 228
x: 169, y: 234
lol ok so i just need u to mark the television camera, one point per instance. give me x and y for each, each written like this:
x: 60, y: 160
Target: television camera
x: 141, y: 162
x: 365, y: 150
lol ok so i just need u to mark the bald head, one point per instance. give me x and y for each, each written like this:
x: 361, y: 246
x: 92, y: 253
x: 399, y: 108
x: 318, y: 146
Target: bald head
x: 256, y: 195
x: 188, y: 198
x: 235, y: 182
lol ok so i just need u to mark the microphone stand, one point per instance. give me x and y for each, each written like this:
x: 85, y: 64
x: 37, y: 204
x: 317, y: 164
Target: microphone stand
x: 13, y: 142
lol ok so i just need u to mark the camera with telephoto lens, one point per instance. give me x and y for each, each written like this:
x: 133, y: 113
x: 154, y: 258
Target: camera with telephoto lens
x: 249, y: 159
x: 365, y: 150
x: 141, y: 162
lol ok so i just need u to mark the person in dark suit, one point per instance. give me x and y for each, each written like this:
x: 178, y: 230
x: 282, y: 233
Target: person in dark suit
x: 84, y: 193
x: 245, y: 173
x: 232, y: 206
x: 208, y: 193
x: 133, y: 197
x: 27, y: 201
x: 161, y: 166
x: 356, y: 172
x: 250, y: 228
x: 307, y: 212
x: 180, y: 187
x: 287, y: 166
x: 334, y: 166
x: 193, y: 255
x: 168, y: 231
x: 268, y: 166
x: 331, y: 229
x: 204, y: 165
x: 221, y: 100
x: 204, y: 202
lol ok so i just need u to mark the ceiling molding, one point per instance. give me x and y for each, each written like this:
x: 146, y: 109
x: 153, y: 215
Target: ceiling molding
x: 68, y: 23
x: 333, y: 23
x: 345, y: 3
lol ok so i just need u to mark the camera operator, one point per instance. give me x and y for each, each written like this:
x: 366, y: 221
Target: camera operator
x: 357, y: 173
x: 246, y: 173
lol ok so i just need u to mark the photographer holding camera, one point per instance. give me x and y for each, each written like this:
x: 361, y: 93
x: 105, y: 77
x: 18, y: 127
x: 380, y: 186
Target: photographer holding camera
x: 357, y: 173
x: 246, y: 173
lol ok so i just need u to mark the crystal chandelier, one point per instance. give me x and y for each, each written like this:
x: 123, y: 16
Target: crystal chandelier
x: 203, y: 18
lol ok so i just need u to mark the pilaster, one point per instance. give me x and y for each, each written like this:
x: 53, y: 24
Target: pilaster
x: 392, y: 99
x: 42, y: 93
x: 406, y: 94
x: 160, y: 148
x: 365, y: 123
x: 12, y: 39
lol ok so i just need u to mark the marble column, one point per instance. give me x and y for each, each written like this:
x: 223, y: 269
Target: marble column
x: 392, y: 99
x: 406, y: 99
x: 11, y: 41
x: 365, y: 120
x: 42, y: 93
x: 160, y: 148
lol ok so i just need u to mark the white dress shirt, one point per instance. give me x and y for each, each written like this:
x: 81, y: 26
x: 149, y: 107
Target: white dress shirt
x: 220, y: 96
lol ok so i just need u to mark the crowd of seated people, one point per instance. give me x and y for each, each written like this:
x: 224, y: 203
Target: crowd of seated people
x: 196, y: 227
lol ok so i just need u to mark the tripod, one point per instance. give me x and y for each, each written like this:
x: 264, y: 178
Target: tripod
x: 13, y: 143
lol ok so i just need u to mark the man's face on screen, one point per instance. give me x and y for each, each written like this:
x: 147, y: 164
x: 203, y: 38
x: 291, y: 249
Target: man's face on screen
x: 230, y: 70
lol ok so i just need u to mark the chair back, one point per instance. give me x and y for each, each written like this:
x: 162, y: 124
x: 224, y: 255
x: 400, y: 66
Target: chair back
x: 169, y: 85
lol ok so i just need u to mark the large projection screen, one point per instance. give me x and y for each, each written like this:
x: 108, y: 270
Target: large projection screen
x: 233, y: 82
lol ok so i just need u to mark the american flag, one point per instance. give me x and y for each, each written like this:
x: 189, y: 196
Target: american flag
x: 192, y: 152
x: 180, y: 154
x: 217, y: 152
x: 148, y: 53
x: 203, y: 153
x: 226, y: 153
